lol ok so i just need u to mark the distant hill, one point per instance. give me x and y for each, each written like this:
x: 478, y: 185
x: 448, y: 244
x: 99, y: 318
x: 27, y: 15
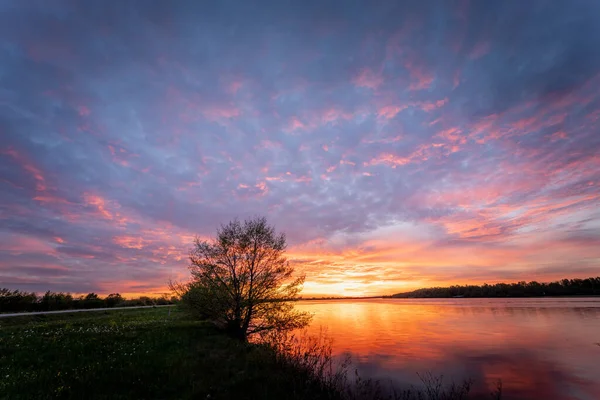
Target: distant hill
x: 564, y: 287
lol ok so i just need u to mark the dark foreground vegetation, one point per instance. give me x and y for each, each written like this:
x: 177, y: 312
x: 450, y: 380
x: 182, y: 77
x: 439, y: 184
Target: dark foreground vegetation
x: 565, y: 287
x: 12, y: 301
x: 163, y: 354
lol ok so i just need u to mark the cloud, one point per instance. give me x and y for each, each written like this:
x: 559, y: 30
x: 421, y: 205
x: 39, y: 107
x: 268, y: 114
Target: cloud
x: 368, y: 79
x: 127, y: 131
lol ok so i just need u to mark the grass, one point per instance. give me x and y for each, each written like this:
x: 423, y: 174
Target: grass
x: 142, y: 353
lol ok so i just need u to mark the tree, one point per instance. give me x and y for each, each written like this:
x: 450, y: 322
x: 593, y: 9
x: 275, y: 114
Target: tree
x: 113, y: 299
x: 92, y: 300
x: 242, y: 282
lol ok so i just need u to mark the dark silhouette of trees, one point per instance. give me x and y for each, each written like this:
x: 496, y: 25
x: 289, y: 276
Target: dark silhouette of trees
x: 242, y: 282
x: 20, y: 301
x: 16, y: 300
x: 565, y: 287
x: 92, y: 300
x: 113, y: 299
x: 56, y: 301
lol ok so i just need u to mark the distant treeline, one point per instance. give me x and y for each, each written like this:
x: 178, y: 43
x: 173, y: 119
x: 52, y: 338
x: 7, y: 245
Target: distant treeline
x: 565, y: 287
x: 300, y: 298
x: 20, y: 301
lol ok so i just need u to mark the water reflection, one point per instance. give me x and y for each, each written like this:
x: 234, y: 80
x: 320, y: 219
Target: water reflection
x: 540, y: 348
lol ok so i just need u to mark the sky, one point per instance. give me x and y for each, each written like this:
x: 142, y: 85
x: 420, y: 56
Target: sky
x: 397, y: 144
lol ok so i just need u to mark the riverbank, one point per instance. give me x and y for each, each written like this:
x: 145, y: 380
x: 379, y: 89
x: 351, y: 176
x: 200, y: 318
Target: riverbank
x: 142, y: 353
x: 158, y: 353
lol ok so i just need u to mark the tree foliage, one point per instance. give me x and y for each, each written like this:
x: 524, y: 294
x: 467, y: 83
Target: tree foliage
x: 564, y: 287
x: 20, y: 301
x: 242, y: 281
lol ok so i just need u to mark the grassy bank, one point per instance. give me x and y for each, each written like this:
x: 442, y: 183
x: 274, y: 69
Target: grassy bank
x: 159, y: 353
x: 145, y: 353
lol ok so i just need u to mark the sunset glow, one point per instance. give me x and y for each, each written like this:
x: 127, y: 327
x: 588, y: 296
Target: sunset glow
x: 397, y: 146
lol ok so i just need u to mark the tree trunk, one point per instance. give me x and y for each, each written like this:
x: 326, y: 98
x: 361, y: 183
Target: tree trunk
x: 236, y: 330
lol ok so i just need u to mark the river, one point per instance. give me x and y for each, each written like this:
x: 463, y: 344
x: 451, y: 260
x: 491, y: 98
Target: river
x: 540, y: 348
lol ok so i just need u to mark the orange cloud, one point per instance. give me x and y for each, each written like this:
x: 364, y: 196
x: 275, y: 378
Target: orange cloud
x: 130, y: 242
x: 101, y: 205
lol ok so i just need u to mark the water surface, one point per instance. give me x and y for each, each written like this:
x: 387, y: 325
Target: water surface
x: 541, y: 348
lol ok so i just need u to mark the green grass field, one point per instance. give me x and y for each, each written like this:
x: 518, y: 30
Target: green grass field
x: 141, y: 354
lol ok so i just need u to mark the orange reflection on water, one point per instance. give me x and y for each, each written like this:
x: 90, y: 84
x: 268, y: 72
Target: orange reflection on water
x: 539, y: 348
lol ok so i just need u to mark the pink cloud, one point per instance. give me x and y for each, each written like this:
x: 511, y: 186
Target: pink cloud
x: 303, y: 178
x: 367, y: 78
x: 312, y: 120
x: 20, y: 244
x: 424, y: 81
x: 433, y: 105
x: 221, y: 112
x: 421, y: 77
x: 99, y: 203
x: 452, y: 135
x: 287, y: 177
x: 334, y: 114
x: 269, y: 144
x: 560, y: 135
x: 262, y: 187
x: 25, y: 164
x: 295, y: 123
x: 234, y: 87
x: 83, y: 111
x: 48, y: 198
x: 385, y: 140
x: 130, y: 242
x: 422, y: 153
x: 390, y: 112
x: 389, y: 159
x: 120, y: 155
